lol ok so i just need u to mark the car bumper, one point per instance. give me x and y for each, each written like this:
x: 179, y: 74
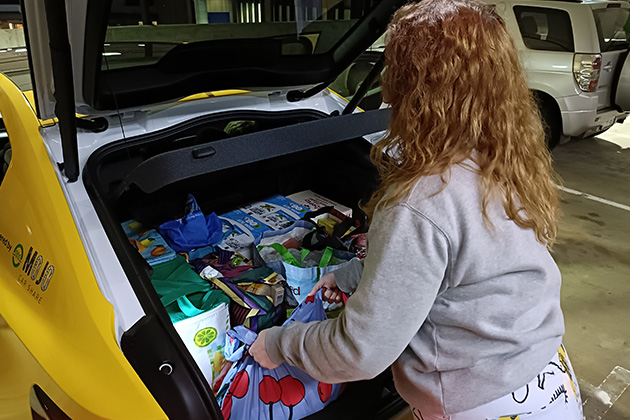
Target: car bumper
x: 580, y: 118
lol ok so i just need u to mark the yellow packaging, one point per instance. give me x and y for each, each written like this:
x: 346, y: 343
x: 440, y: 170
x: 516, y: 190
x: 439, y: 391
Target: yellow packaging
x: 273, y: 291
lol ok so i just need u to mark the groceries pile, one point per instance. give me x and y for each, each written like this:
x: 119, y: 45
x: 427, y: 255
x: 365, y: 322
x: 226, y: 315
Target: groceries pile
x: 222, y: 276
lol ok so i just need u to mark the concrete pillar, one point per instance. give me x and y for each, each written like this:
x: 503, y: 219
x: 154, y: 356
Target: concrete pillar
x: 201, y: 11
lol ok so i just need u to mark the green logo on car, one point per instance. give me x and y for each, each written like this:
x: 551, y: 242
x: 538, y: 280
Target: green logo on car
x: 18, y: 254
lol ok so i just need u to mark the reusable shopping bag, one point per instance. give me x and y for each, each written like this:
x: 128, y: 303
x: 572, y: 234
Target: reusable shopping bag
x: 194, y: 230
x: 222, y: 263
x: 250, y: 391
x: 200, y: 315
x: 204, y: 336
x: 334, y: 229
x: 246, y: 308
x: 300, y: 276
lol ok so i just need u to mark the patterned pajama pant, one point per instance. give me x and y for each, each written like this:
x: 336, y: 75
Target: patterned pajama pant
x: 552, y: 395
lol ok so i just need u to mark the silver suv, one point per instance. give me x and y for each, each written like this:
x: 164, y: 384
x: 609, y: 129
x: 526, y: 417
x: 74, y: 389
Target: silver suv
x: 575, y: 56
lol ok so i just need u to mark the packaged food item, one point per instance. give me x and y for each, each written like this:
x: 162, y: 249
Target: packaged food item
x: 245, y: 229
x: 313, y: 201
x: 328, y: 223
x: 358, y: 245
x: 276, y: 212
x: 252, y: 220
x: 149, y: 243
x: 274, y: 291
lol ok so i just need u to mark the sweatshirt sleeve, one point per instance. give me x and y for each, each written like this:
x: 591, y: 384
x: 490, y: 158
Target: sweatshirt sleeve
x: 406, y: 265
x: 349, y: 275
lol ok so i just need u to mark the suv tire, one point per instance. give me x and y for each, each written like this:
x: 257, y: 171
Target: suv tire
x: 551, y: 120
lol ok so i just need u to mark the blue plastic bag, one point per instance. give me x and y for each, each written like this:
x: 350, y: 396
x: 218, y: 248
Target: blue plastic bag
x: 193, y: 230
x: 250, y: 391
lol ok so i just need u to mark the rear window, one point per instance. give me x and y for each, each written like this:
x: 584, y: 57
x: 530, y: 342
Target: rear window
x: 613, y: 28
x: 140, y: 32
x: 546, y: 29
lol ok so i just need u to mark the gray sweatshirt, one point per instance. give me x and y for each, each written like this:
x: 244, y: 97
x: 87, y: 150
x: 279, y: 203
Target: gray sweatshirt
x: 464, y: 313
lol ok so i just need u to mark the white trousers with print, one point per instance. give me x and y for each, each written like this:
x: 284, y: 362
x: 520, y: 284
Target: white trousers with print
x: 552, y: 395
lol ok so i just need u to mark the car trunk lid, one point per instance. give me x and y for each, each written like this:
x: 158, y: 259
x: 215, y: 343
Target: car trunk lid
x: 128, y: 55
x: 99, y: 57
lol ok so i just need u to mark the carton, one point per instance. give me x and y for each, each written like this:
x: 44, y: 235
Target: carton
x: 274, y: 291
x: 148, y: 242
x: 245, y: 229
x: 313, y: 201
x: 277, y: 212
x: 252, y: 220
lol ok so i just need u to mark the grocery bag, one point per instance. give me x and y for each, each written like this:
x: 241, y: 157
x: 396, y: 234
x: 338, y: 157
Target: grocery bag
x: 204, y: 336
x: 250, y: 391
x: 199, y: 314
x: 334, y: 229
x: 248, y: 309
x: 300, y: 277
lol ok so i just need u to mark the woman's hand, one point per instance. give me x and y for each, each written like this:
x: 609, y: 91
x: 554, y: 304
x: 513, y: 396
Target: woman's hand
x: 259, y: 352
x: 331, y: 292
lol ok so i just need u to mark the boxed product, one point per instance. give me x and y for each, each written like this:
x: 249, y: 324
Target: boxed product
x: 275, y: 292
x: 243, y: 230
x: 277, y: 212
x: 149, y: 243
x: 313, y: 201
x: 250, y: 221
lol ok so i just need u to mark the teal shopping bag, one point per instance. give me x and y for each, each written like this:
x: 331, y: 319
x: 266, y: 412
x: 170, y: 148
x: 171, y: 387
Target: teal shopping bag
x: 301, y: 267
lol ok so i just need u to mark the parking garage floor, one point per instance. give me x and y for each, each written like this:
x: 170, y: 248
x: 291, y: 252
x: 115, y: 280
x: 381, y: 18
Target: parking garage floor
x: 593, y: 253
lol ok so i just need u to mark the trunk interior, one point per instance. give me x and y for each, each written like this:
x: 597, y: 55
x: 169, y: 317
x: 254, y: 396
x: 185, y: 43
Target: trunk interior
x: 341, y: 171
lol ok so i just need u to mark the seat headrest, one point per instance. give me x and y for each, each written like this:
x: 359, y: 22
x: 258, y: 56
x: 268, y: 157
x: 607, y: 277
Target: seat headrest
x: 528, y: 26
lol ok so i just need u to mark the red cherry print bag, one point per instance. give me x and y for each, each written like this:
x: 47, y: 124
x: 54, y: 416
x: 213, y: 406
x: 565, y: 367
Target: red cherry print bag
x: 250, y: 391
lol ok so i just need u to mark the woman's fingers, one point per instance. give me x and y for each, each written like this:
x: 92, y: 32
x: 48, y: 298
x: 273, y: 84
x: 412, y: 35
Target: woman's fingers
x: 332, y: 295
x: 317, y: 286
x: 259, y: 352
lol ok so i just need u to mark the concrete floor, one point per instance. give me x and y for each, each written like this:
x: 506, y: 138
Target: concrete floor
x: 593, y: 254
x: 594, y: 258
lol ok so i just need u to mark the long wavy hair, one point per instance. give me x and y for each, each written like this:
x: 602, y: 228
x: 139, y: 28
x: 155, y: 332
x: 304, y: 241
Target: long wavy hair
x: 457, y: 91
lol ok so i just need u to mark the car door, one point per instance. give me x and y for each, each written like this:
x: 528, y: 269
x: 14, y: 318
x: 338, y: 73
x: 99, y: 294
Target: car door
x: 611, y: 20
x: 57, y: 328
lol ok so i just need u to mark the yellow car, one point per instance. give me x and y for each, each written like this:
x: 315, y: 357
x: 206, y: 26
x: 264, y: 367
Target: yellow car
x: 83, y: 334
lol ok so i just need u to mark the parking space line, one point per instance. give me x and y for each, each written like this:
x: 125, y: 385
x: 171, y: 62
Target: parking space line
x: 598, y: 400
x: 594, y: 198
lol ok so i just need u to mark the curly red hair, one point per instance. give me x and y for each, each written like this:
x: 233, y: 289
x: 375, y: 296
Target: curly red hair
x: 457, y: 91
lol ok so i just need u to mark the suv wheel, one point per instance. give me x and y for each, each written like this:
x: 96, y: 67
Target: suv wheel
x: 551, y: 119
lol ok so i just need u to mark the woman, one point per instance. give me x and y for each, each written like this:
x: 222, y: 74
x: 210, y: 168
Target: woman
x: 458, y: 291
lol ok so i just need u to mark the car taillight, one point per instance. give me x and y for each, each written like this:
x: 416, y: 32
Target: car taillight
x: 586, y: 71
